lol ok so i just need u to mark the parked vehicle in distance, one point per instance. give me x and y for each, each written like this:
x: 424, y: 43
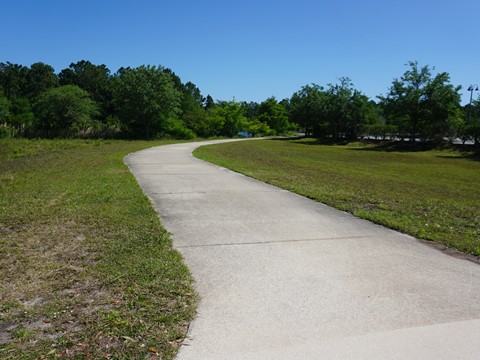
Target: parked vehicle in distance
x: 244, y: 134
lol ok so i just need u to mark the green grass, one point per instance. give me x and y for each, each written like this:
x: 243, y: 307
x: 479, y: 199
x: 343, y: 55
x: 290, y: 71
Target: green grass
x: 431, y: 194
x: 86, y: 269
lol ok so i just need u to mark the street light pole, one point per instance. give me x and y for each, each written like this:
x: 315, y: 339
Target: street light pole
x: 471, y: 88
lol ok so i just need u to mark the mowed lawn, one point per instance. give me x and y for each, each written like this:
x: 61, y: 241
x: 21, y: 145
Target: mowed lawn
x: 434, y: 195
x: 86, y: 269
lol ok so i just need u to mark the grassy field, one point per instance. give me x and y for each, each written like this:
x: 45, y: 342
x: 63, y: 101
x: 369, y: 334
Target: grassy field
x: 86, y: 269
x: 430, y: 194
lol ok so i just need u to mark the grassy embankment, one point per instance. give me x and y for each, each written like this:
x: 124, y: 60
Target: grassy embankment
x: 86, y: 269
x: 430, y: 194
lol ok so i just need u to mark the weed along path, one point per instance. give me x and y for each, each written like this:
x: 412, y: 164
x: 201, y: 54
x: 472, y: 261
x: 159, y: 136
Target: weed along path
x: 284, y: 277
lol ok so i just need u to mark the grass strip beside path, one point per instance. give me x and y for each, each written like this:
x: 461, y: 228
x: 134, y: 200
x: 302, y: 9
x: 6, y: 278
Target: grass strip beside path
x: 86, y: 269
x: 434, y: 195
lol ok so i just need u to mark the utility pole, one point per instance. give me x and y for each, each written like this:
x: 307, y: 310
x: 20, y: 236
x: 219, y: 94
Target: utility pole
x: 471, y: 88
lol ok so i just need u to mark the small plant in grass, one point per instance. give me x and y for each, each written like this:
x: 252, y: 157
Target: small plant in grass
x: 23, y: 334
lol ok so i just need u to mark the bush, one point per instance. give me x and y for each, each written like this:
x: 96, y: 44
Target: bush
x: 4, y: 108
x: 258, y: 128
x: 175, y: 129
x: 21, y: 117
x: 65, y: 111
x: 6, y: 131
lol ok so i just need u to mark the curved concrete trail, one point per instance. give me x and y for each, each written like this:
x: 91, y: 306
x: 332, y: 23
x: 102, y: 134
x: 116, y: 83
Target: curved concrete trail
x: 284, y: 277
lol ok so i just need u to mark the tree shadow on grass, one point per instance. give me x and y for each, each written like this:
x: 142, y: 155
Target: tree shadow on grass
x: 402, y: 146
x: 468, y: 156
x: 315, y: 141
x: 468, y: 151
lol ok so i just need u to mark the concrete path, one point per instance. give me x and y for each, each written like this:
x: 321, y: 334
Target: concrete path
x: 284, y: 277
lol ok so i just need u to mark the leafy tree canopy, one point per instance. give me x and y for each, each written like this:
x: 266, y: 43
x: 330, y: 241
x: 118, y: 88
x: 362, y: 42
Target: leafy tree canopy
x: 4, y: 108
x: 274, y: 115
x: 307, y: 107
x: 145, y: 97
x: 13, y: 79
x: 95, y: 79
x: 40, y: 78
x: 65, y: 111
x: 423, y: 104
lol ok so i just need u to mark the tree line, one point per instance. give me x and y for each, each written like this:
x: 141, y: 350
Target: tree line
x: 418, y: 106
x: 87, y: 100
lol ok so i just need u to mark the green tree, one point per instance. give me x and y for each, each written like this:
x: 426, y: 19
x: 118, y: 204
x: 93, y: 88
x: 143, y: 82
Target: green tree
x: 337, y: 108
x: 258, y: 128
x: 65, y: 111
x: 349, y: 111
x: 209, y: 103
x: 471, y: 112
x: 95, y: 79
x: 13, y: 79
x: 307, y: 108
x: 214, y: 122
x: 250, y: 109
x: 428, y: 105
x: 21, y: 116
x: 4, y: 108
x: 444, y: 117
x: 192, y: 97
x: 40, y: 77
x: 22, y: 85
x: 274, y: 114
x: 196, y: 119
x: 233, y: 117
x: 286, y: 104
x: 193, y: 113
x: 5, y: 129
x: 470, y: 130
x: 177, y: 82
x: 144, y: 98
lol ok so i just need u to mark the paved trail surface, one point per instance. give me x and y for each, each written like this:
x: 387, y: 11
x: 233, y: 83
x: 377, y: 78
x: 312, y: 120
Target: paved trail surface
x: 284, y: 277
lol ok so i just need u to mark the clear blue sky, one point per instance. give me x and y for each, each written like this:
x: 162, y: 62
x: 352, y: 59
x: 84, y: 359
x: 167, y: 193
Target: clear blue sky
x: 248, y: 49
